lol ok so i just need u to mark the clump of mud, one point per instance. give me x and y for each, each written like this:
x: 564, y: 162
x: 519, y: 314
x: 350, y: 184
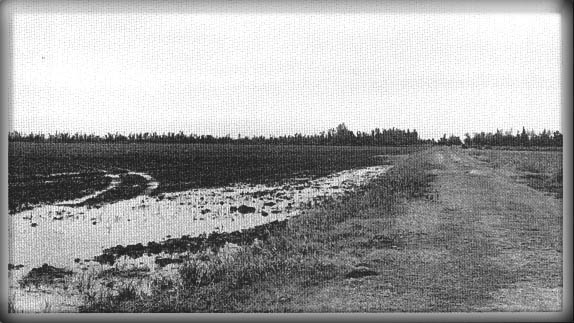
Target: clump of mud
x: 213, y: 241
x: 45, y: 275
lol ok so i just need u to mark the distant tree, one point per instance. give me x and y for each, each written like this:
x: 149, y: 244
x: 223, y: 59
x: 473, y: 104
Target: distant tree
x: 341, y: 135
x: 557, y: 139
x: 443, y: 140
x: 467, y: 139
x: 454, y: 140
x: 524, y: 138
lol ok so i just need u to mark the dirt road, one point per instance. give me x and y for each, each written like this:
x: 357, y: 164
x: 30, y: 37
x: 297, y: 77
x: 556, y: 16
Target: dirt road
x: 500, y: 242
x: 488, y: 243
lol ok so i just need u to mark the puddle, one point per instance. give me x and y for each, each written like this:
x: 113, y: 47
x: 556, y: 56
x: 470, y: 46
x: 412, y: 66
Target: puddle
x: 58, y: 234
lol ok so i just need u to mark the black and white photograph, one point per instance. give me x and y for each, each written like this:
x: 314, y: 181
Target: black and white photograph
x: 286, y: 157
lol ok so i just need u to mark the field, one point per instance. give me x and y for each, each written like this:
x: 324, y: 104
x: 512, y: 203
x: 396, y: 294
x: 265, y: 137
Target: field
x: 443, y: 230
x: 176, y: 167
x: 72, y: 204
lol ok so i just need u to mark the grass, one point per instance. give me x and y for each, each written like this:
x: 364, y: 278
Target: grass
x: 176, y: 167
x: 11, y: 305
x: 541, y: 170
x: 310, y: 252
x: 529, y: 161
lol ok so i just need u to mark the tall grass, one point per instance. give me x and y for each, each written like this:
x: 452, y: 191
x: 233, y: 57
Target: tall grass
x: 541, y: 170
x: 302, y: 256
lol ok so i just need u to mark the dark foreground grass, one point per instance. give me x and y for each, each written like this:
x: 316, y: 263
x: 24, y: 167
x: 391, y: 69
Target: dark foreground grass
x: 321, y: 246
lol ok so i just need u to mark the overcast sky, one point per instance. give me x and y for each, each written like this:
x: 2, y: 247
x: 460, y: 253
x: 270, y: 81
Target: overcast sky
x: 266, y: 71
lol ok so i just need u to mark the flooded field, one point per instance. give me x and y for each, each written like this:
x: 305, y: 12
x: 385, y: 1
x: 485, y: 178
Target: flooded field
x: 154, y: 205
x: 44, y: 173
x: 70, y: 233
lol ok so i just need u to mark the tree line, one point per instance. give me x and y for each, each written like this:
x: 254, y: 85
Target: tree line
x: 340, y: 135
x: 524, y: 139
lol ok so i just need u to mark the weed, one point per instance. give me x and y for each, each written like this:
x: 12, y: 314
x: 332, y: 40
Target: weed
x: 12, y: 304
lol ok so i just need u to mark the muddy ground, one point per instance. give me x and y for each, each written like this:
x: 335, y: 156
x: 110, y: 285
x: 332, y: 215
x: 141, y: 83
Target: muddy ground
x: 152, y: 230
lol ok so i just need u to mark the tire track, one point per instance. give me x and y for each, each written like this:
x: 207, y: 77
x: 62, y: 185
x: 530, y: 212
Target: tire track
x: 152, y: 184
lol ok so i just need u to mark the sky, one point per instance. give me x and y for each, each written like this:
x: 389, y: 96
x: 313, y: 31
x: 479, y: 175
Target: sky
x: 265, y: 70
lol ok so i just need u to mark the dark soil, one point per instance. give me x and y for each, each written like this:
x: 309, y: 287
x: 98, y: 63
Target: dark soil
x: 177, y: 167
x: 44, y: 275
x: 213, y: 241
x: 129, y: 187
x: 25, y: 191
